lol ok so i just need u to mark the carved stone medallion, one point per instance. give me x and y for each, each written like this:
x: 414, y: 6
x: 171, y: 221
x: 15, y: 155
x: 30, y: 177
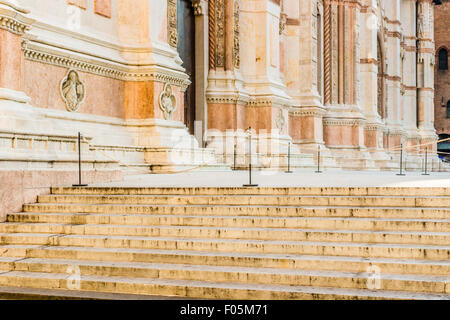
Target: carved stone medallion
x: 167, y: 102
x: 72, y: 91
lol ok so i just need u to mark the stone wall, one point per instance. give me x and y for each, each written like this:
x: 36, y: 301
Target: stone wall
x: 23, y: 186
x: 442, y: 77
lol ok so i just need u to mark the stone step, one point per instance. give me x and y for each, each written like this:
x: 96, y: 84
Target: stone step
x: 398, y: 201
x: 23, y: 293
x: 173, y: 168
x: 356, y: 249
x: 302, y: 191
x: 235, y: 275
x: 321, y: 235
x: 233, y: 259
x: 332, y: 223
x: 278, y: 211
x: 199, y: 289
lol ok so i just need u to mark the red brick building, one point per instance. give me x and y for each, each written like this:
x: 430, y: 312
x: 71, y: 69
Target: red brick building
x: 442, y: 74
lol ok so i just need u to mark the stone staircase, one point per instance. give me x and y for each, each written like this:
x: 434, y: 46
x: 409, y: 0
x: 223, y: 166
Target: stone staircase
x: 231, y: 243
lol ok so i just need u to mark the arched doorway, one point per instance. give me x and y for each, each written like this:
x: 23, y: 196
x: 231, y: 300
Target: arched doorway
x: 186, y: 50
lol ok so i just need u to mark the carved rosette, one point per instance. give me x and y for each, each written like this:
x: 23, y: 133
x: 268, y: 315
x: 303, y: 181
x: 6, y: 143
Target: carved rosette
x: 167, y: 102
x: 72, y: 91
x: 172, y: 23
x: 236, y: 48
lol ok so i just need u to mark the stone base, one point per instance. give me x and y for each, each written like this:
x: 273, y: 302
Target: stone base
x: 23, y: 186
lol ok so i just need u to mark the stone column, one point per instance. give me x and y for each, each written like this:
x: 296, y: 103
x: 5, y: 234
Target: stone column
x: 425, y: 70
x: 226, y: 97
x: 304, y: 75
x: 393, y: 114
x: 269, y: 103
x: 409, y: 73
x: 344, y: 121
x: 371, y: 33
x: 201, y: 72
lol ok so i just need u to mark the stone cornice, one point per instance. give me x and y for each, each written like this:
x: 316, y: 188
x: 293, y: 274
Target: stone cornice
x: 227, y: 98
x: 307, y: 112
x: 13, y: 20
x: 342, y: 122
x: 103, y: 68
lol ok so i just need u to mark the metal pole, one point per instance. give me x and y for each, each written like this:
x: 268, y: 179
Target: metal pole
x: 234, y: 159
x: 401, y: 162
x: 318, y: 160
x: 426, y: 163
x: 289, y: 158
x: 250, y: 160
x: 79, y: 164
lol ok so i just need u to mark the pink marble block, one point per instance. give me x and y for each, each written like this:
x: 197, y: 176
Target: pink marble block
x: 20, y: 187
x: 103, y: 8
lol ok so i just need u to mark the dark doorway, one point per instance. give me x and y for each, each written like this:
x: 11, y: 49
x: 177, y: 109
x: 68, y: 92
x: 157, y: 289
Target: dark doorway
x: 186, y: 49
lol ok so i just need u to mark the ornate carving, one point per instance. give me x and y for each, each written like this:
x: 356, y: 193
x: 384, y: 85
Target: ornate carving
x: 212, y: 34
x: 236, y: 47
x: 334, y: 53
x: 13, y: 25
x: 220, y: 33
x: 424, y: 17
x: 198, y: 7
x: 326, y: 53
x: 280, y: 121
x: 167, y: 102
x: 283, y: 19
x: 121, y: 72
x: 172, y: 23
x: 72, y: 91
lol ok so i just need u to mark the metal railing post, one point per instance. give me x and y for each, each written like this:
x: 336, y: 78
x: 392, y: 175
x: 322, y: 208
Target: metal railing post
x: 426, y: 163
x: 79, y: 164
x: 318, y: 160
x: 289, y: 158
x: 250, y: 184
x: 401, y: 161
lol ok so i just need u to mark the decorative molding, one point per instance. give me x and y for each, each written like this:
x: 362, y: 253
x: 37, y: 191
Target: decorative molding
x: 167, y: 102
x: 327, y: 52
x: 212, y: 34
x: 13, y: 25
x: 122, y: 72
x: 343, y: 122
x: 72, y: 91
x: 172, y: 31
x: 237, y: 98
x: 307, y: 112
x: 236, y: 38
x: 220, y: 33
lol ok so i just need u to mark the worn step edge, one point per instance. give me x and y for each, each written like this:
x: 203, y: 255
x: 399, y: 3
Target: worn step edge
x: 304, y: 262
x: 202, y: 289
x: 314, y: 278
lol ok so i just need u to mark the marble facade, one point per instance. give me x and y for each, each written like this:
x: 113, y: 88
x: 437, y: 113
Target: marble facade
x: 354, y: 78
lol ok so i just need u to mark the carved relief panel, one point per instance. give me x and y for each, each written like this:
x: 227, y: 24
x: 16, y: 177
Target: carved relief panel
x: 167, y: 102
x: 172, y: 23
x: 72, y: 91
x: 236, y: 46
